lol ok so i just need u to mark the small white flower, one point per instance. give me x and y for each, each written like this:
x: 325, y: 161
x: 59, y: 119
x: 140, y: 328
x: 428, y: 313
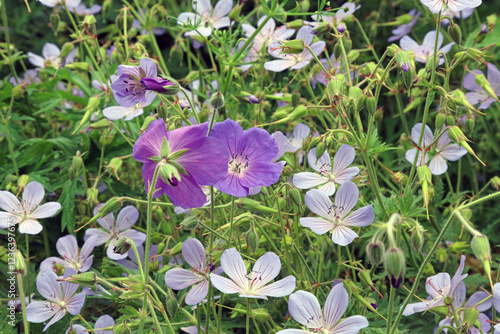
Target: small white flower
x: 435, y: 6
x: 207, y: 18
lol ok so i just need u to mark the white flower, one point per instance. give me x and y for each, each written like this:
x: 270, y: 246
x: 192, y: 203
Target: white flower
x: 207, y: 18
x: 426, y: 50
x: 27, y: 212
x: 69, y: 3
x: 50, y: 53
x: 435, y: 6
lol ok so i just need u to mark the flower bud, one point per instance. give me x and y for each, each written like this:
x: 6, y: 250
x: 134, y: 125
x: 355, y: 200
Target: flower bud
x: 455, y: 33
x: 337, y: 50
x: 481, y: 247
x: 295, y: 24
x: 394, y: 264
x: 469, y: 124
x: 260, y: 314
x: 375, y: 250
x: 379, y: 115
x: 217, y: 100
x: 234, y: 14
x: 86, y: 279
x: 77, y: 162
x: 450, y: 120
x: 439, y: 121
x: 54, y: 21
x: 294, y: 194
x: 356, y: 97
x: 88, y: 20
x: 17, y: 92
x: 112, y: 205
x: 19, y: 262
x: 458, y: 137
x: 71, y: 173
x: 298, y: 113
x: 190, y: 223
x: 172, y: 307
x: 252, y: 239
x: 23, y: 181
x: 400, y: 178
x: 347, y: 45
x: 165, y: 86
x: 292, y: 47
x: 364, y: 277
x: 79, y: 66
x: 417, y: 237
x: 148, y: 120
x: 495, y: 182
x: 322, y: 27
x: 392, y: 50
x: 441, y: 310
x: 335, y: 89
x: 122, y: 246
x: 371, y: 104
x: 320, y: 149
x: 295, y: 99
x: 114, y: 165
x: 471, y: 315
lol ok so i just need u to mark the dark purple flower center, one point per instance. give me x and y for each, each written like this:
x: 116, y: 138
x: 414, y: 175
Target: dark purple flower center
x: 135, y: 86
x: 173, y: 182
x: 238, y: 163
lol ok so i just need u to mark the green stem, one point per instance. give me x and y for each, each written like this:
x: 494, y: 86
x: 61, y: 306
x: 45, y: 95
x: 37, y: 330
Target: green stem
x: 5, y: 121
x: 155, y: 319
x: 138, y: 259
x: 28, y: 266
x: 157, y: 50
x: 392, y: 292
x: 23, y: 301
x: 190, y: 104
x: 344, y: 55
x: 248, y: 316
x: 90, y: 329
x: 7, y: 39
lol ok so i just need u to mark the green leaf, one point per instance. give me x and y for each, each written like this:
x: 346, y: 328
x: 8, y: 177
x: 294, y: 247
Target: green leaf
x: 67, y: 201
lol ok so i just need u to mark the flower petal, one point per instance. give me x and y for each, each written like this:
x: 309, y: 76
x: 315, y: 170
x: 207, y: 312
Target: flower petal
x: 193, y: 253
x: 438, y: 165
x: 101, y: 236
x: 30, y: 226
x: 317, y: 225
x: 307, y: 180
x: 75, y: 304
x: 32, y: 196
x: 149, y: 143
x: 46, y: 210
x: 8, y: 219
x: 38, y: 311
x: 346, y: 198
x: 48, y: 286
x: 266, y: 269
x: 343, y: 235
x: 437, y: 285
x: 126, y: 218
x: 346, y: 175
x: 233, y: 265
x: 278, y: 65
x: 224, y: 284
x: 221, y: 9
x: 428, y: 136
x: 9, y: 202
x: 197, y: 293
x: 321, y: 165
x: 361, y: 217
x: 178, y: 278
x: 103, y: 322
x: 280, y: 288
x: 319, y: 203
x: 335, y: 305
x: 67, y: 247
x: 305, y: 309
x: 351, y: 325
x: 343, y: 158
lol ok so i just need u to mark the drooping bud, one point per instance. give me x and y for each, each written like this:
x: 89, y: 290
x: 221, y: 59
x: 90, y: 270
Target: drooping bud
x: 77, y: 162
x: 123, y: 245
x: 217, y: 100
x: 417, y: 237
x: 481, y: 247
x: 18, y: 91
x: 394, y: 264
x: 469, y: 124
x: 337, y: 50
x: 322, y: 27
x: 295, y: 99
x: 455, y: 33
x: 379, y: 115
x: 294, y: 194
x: 375, y: 250
x: 252, y: 239
x: 172, y: 307
x: 440, y: 119
x: 449, y: 120
x: 392, y: 50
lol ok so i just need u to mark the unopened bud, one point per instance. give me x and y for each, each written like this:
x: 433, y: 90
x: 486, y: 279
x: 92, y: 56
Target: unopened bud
x: 86, y: 279
x: 481, y: 247
x: 217, y: 100
x: 93, y: 103
x: 234, y: 14
x: 123, y: 245
x: 296, y: 24
x: 371, y: 104
x: 471, y: 315
x: 335, y: 89
x: 394, y: 264
x: 364, y: 277
x: 23, y: 181
x: 252, y: 239
x: 322, y: 27
x: 295, y: 196
x: 79, y: 66
x: 54, y: 21
x: 417, y: 237
x: 260, y: 314
x: 495, y: 182
x: 145, y: 125
x: 298, y: 113
x: 356, y: 97
x: 320, y: 149
x: 379, y: 115
x: 455, y: 33
x: 112, y: 205
x: 88, y: 20
x: 449, y: 120
x: 77, y: 162
x: 295, y: 99
x: 17, y: 91
x: 392, y: 50
x: 172, y: 307
x: 469, y: 124
x: 294, y: 46
x: 19, y: 262
x: 440, y: 119
x: 375, y: 250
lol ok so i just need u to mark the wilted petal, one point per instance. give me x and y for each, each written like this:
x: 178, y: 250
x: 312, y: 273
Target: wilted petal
x: 319, y: 203
x: 194, y: 254
x: 305, y: 309
x: 343, y: 236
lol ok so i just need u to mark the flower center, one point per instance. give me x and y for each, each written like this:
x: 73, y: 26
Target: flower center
x: 135, y: 86
x: 238, y: 163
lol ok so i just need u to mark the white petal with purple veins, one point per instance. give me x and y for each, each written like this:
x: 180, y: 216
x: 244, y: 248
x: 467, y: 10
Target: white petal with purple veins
x: 346, y: 198
x: 46, y: 210
x: 335, y: 305
x: 224, y: 284
x: 317, y: 225
x: 178, y: 278
x: 32, y: 196
x: 234, y: 267
x: 280, y: 288
x: 319, y: 203
x: 30, y: 226
x: 197, y: 293
x: 307, y: 180
x: 361, y: 217
x: 194, y: 254
x: 343, y: 236
x: 305, y: 309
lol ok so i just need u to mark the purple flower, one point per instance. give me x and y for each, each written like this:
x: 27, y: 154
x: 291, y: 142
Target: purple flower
x: 103, y: 322
x: 344, y: 11
x: 336, y: 218
x: 60, y: 297
x: 484, y: 29
x: 435, y: 6
x: 207, y: 18
x: 115, y: 230
x: 252, y: 284
x: 439, y: 287
x: 128, y: 88
x: 193, y: 159
x: 156, y: 84
x: 294, y: 61
x: 404, y: 29
x: 251, y: 155
x: 28, y: 77
x: 154, y: 258
x: 328, y: 175
x: 305, y: 309
x: 178, y: 278
x: 50, y: 53
x: 72, y: 257
x: 478, y: 94
x: 426, y: 50
x: 27, y: 212
x: 83, y: 10
x: 444, y: 150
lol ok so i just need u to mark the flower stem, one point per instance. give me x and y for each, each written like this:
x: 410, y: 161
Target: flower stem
x: 248, y: 316
x: 392, y: 292
x: 138, y: 259
x: 7, y: 39
x: 5, y: 121
x: 28, y: 266
x: 23, y: 301
x: 91, y: 330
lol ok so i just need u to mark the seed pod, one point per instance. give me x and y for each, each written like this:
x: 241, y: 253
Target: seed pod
x: 217, y: 100
x: 455, y: 33
x: 122, y: 246
x: 294, y: 194
x: 92, y: 194
x: 112, y: 205
x: 298, y: 113
x: 17, y: 92
x: 347, y: 45
x: 296, y: 24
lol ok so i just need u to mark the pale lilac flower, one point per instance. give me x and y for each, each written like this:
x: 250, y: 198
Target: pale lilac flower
x: 132, y: 262
x: 115, y: 113
x: 115, y: 230
x: 305, y: 309
x: 52, y: 3
x: 102, y: 86
x: 426, y: 50
x: 103, y: 322
x: 463, y: 14
x: 251, y: 155
x: 26, y: 212
x: 72, y: 257
x: 83, y: 10
x: 444, y: 150
x: 294, y: 61
x: 404, y: 29
x: 478, y: 94
x: 50, y: 53
x: 192, y: 329
x: 496, y: 296
x: 28, y: 77
x: 252, y: 284
x: 178, y: 278
x: 336, y: 218
x: 296, y: 139
x: 439, y: 287
x: 328, y: 174
x: 344, y: 11
x: 60, y: 297
x: 205, y: 19
x: 435, y: 6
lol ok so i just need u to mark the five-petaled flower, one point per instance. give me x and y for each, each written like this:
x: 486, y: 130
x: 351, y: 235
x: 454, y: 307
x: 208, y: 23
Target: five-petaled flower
x: 207, y: 18
x: 60, y: 298
x: 27, y: 212
x: 179, y: 278
x: 252, y: 284
x: 72, y: 257
x: 336, y: 217
x: 435, y: 6
x: 478, y: 94
x: 328, y: 174
x: 51, y: 57
x: 343, y: 12
x: 115, y: 230
x: 305, y: 309
x: 187, y: 159
x: 251, y: 158
x: 104, y: 321
x: 426, y: 50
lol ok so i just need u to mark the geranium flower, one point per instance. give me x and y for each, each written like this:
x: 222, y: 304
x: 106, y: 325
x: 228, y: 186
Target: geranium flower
x: 252, y: 284
x: 444, y: 150
x: 192, y: 158
x: 439, y: 287
x: 83, y: 10
x: 60, y: 298
x: 478, y: 94
x: 305, y: 309
x: 115, y: 230
x: 343, y: 12
x: 426, y: 50
x: 72, y: 257
x: 336, y: 218
x: 435, y: 6
x: 27, y: 212
x: 103, y: 322
x: 328, y: 175
x: 178, y: 278
x: 405, y: 29
x: 28, y: 77
x: 115, y: 113
x: 251, y: 155
x: 294, y: 61
x: 208, y: 19
x: 50, y: 53
x: 296, y: 139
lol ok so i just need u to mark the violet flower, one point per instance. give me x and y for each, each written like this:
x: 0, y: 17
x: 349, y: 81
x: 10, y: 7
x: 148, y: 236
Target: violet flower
x: 50, y: 53
x: 294, y: 61
x: 479, y: 94
x: 129, y: 88
x: 27, y: 212
x: 82, y: 10
x: 305, y: 309
x: 252, y: 284
x: 60, y: 298
x: 435, y: 6
x: 439, y: 287
x: 444, y: 150
x: 426, y: 50
x: 336, y: 218
x: 72, y: 257
x: 103, y: 322
x: 28, y: 77
x: 205, y: 19
x: 114, y: 230
x: 405, y: 29
x: 251, y: 155
x: 328, y: 175
x: 343, y: 12
x: 178, y: 278
x: 192, y: 158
